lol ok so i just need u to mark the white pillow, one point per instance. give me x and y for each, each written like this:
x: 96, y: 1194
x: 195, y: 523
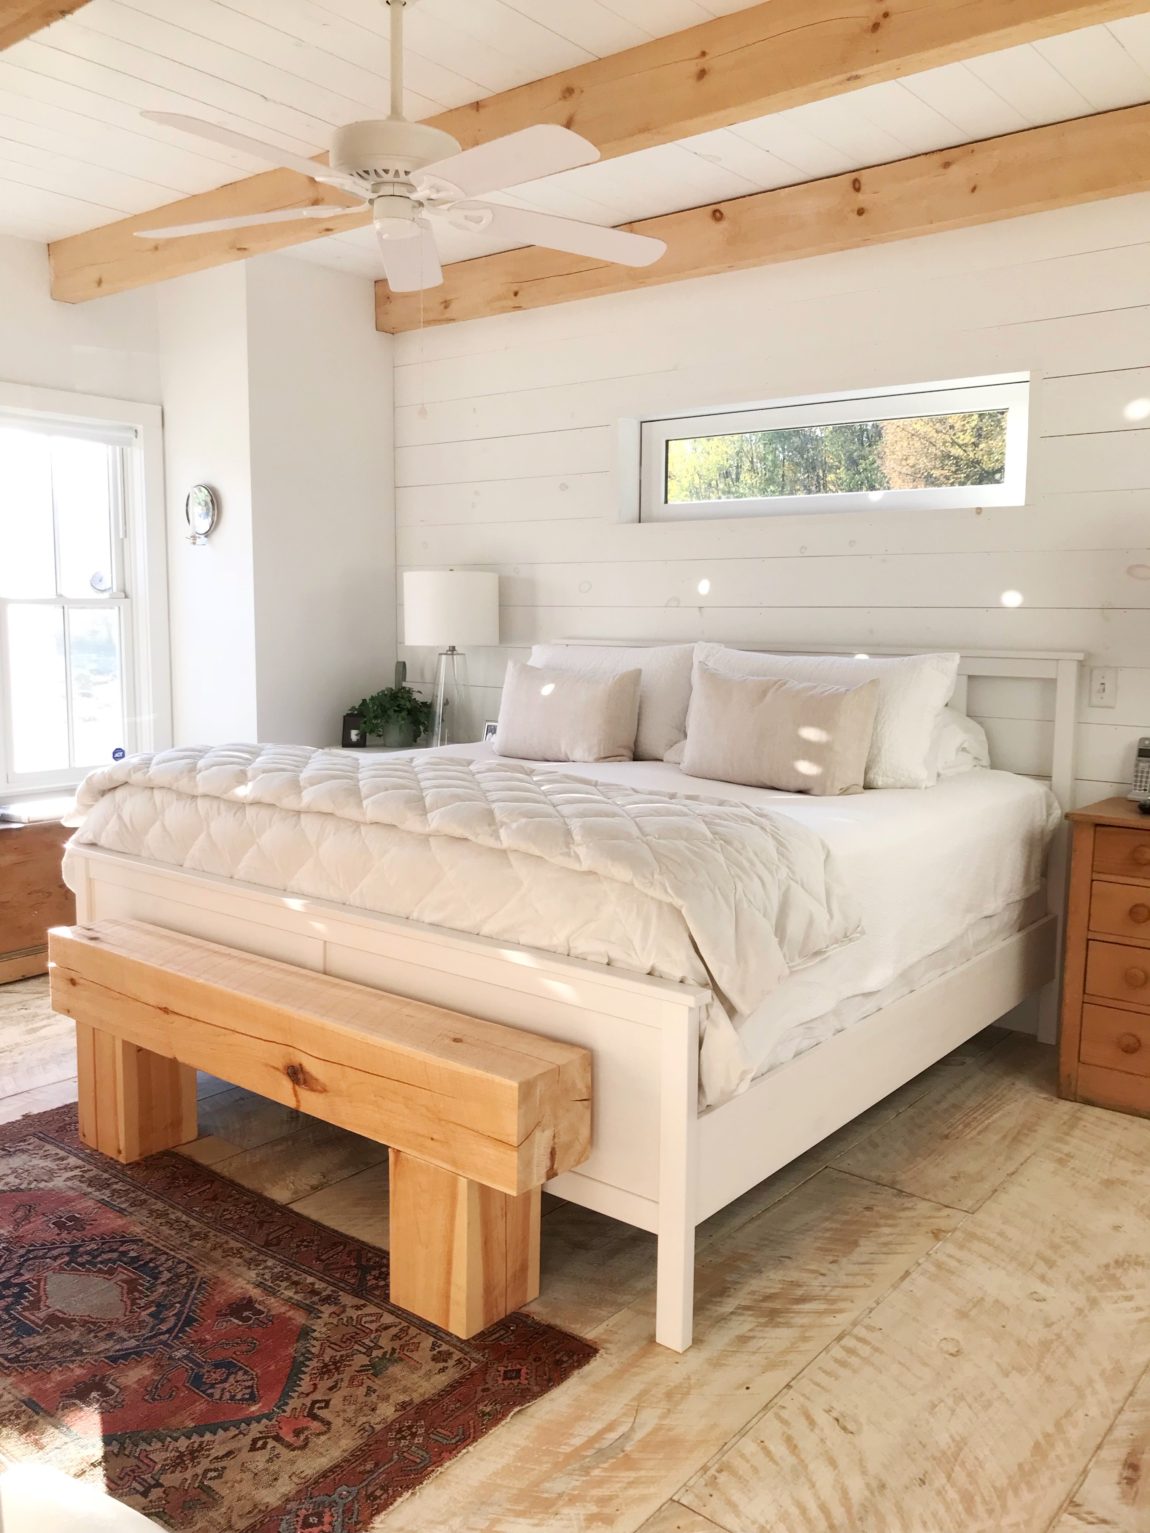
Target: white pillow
x: 547, y: 715
x: 664, y: 688
x: 913, y: 691
x: 959, y: 744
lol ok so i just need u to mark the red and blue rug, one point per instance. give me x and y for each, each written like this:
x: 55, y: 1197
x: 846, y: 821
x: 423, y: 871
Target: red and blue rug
x: 220, y: 1363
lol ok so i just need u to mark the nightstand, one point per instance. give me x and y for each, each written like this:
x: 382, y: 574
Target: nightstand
x: 33, y: 895
x: 1104, y: 1050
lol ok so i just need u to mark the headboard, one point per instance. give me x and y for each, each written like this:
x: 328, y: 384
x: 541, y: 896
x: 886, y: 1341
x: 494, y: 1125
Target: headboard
x: 1059, y: 667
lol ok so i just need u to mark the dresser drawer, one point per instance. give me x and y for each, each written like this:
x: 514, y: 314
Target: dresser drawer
x: 1118, y: 973
x: 1122, y: 852
x: 1116, y: 1040
x: 1121, y: 910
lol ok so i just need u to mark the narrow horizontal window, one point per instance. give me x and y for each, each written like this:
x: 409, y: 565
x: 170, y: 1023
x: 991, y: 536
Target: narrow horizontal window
x: 922, y: 449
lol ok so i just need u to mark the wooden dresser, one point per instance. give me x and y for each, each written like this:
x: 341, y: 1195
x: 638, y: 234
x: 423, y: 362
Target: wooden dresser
x: 33, y: 895
x: 1104, y: 1052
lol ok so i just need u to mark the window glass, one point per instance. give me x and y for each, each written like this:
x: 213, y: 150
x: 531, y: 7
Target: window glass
x: 38, y: 688
x: 81, y: 486
x: 97, y: 693
x: 27, y: 554
x: 912, y: 453
x: 63, y: 608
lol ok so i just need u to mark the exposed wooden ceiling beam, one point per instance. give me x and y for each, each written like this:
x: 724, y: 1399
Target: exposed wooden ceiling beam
x: 21, y: 18
x: 1082, y: 160
x: 778, y: 54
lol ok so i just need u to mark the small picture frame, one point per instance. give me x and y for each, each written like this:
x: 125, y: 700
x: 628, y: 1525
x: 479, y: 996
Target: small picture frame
x: 489, y: 731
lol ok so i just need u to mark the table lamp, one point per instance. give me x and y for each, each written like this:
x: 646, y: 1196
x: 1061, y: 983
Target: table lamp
x: 448, y: 609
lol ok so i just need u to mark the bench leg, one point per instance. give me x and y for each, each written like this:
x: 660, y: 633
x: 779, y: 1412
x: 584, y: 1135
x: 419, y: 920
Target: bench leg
x: 132, y: 1102
x: 462, y: 1255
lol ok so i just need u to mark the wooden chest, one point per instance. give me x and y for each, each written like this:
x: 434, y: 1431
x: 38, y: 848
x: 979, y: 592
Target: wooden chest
x: 1104, y: 1052
x: 33, y: 896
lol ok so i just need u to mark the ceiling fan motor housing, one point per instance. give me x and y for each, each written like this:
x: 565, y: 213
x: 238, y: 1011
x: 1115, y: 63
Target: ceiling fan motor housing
x: 388, y: 149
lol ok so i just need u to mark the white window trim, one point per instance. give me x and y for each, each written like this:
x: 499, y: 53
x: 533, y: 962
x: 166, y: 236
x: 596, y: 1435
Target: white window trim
x: 928, y: 399
x: 148, y: 684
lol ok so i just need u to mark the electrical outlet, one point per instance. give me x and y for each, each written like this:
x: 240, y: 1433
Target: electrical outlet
x: 1103, y: 686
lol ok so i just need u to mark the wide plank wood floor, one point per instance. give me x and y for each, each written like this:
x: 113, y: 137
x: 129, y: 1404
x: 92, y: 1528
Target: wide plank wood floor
x: 937, y: 1321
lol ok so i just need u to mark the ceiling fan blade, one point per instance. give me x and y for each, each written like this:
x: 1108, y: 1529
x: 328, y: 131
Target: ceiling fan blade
x: 412, y: 264
x: 253, y: 146
x: 245, y: 221
x: 543, y: 150
x: 525, y: 227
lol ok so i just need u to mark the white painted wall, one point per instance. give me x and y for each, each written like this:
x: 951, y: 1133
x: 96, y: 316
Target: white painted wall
x: 107, y: 348
x: 275, y: 385
x: 505, y: 459
x: 207, y: 440
x: 319, y: 379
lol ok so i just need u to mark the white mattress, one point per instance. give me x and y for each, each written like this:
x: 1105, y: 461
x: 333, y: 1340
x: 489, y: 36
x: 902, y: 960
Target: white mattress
x: 940, y: 874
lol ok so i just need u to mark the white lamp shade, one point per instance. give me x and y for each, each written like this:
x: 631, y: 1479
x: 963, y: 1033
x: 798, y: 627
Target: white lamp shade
x: 450, y: 607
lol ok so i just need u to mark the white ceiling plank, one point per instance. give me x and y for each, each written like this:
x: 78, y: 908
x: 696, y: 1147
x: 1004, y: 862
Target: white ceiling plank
x: 916, y: 125
x: 840, y: 123
x: 144, y: 81
x: 658, y: 17
x: 786, y: 135
x: 86, y: 140
x: 536, y: 49
x: 230, y: 41
x: 114, y: 188
x: 357, y: 70
x: 1099, y: 67
x: 156, y: 48
x: 659, y: 180
x: 28, y: 212
x: 59, y: 186
x: 588, y: 25
x: 557, y: 195
x: 966, y: 100
x: 727, y: 147
x: 455, y: 48
x: 1134, y: 34
x: 58, y: 79
x: 60, y: 206
x: 1031, y: 84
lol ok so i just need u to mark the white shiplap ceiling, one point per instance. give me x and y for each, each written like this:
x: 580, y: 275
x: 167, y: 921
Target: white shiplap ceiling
x: 74, y: 152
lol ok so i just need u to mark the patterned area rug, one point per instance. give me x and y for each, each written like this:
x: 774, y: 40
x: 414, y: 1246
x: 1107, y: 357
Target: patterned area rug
x: 220, y: 1363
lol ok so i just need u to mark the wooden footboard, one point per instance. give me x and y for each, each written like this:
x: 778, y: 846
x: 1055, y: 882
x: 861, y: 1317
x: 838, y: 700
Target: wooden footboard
x: 477, y: 1115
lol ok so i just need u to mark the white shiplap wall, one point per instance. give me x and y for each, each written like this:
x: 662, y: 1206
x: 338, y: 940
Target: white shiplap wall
x: 506, y: 454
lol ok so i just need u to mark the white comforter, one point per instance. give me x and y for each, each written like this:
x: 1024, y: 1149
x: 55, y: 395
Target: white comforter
x: 726, y: 895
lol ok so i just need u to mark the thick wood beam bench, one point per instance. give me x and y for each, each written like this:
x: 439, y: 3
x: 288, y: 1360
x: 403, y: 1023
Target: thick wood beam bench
x: 476, y: 1115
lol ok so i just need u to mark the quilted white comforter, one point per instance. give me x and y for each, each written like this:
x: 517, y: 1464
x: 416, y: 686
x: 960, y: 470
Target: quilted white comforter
x: 716, y: 893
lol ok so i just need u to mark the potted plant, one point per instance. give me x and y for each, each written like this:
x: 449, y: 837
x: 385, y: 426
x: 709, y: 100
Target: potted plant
x: 395, y: 716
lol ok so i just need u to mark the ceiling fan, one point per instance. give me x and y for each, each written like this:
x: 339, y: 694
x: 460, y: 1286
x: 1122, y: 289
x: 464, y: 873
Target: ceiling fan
x: 413, y: 176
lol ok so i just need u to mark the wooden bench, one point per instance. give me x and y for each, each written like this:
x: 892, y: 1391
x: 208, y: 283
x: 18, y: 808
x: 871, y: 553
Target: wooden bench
x: 477, y: 1115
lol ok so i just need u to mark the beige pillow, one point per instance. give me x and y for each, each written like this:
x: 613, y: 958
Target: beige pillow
x: 913, y: 690
x: 664, y: 687
x: 547, y: 715
x: 800, y: 737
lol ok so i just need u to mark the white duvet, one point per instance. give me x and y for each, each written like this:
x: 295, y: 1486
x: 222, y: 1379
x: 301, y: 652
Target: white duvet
x: 727, y: 895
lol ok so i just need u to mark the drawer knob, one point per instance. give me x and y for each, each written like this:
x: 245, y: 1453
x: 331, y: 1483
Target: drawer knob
x: 1136, y: 978
x: 1140, y: 913
x: 1129, y: 1043
x: 1142, y: 854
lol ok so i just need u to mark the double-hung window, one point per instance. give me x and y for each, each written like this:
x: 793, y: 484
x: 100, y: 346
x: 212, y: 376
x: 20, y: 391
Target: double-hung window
x: 932, y: 447
x: 71, y: 498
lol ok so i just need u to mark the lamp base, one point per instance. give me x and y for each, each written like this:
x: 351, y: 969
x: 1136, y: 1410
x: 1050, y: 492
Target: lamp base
x: 449, y: 702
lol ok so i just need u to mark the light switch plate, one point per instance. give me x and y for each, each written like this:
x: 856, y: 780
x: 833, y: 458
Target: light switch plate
x: 1103, y: 686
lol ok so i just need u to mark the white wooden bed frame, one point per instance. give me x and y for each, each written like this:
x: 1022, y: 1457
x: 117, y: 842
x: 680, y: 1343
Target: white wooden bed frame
x: 656, y: 1162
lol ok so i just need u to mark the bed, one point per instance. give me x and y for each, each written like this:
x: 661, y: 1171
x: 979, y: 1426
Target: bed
x: 960, y: 925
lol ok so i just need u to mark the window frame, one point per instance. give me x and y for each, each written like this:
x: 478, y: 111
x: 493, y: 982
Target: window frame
x: 139, y: 564
x: 950, y: 398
